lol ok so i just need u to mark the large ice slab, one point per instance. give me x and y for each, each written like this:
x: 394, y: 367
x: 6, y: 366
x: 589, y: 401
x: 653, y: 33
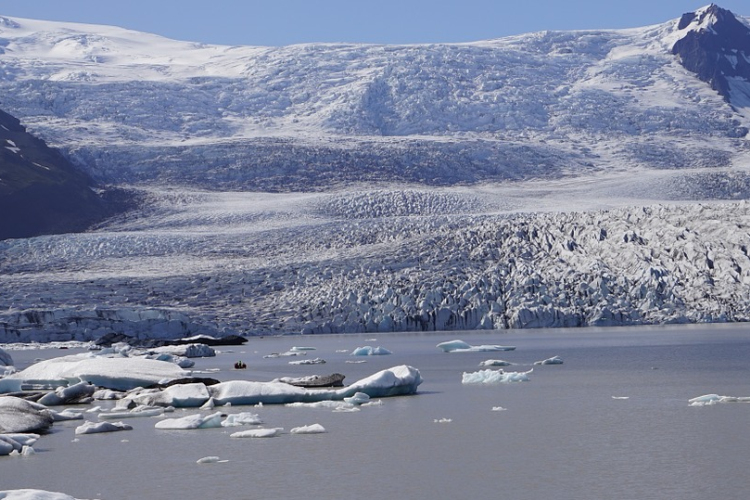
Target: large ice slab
x: 111, y: 373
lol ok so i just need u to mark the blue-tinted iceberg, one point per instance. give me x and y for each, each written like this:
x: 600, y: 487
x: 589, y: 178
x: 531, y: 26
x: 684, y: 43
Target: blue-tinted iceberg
x: 714, y: 399
x: 370, y: 351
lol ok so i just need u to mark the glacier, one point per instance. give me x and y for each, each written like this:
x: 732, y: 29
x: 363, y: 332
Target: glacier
x: 551, y: 179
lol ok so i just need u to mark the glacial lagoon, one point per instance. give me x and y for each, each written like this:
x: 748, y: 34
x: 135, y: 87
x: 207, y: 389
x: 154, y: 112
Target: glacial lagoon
x: 611, y: 421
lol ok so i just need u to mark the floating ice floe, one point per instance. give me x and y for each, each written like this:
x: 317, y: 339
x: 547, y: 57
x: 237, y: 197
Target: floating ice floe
x: 285, y: 354
x: 110, y: 373
x: 211, y: 460
x: 244, y: 418
x: 138, y: 411
x: 316, y: 361
x: 494, y: 362
x: 554, y: 360
x: 461, y: 346
x: 494, y: 377
x: 498, y: 408
x: 301, y: 348
x: 99, y: 427
x: 370, y: 351
x: 358, y: 398
x: 258, y: 433
x: 80, y: 393
x: 620, y: 397
x: 27, y: 494
x: 191, y: 422
x: 714, y: 399
x: 309, y: 429
x: 443, y: 420
x: 16, y: 442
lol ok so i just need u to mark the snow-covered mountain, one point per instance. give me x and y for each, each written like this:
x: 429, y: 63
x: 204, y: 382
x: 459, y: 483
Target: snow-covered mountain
x: 133, y: 107
x: 516, y: 182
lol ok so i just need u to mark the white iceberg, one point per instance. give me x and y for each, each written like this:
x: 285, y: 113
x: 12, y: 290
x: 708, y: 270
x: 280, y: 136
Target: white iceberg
x: 714, y: 399
x: 138, y: 411
x: 27, y: 494
x: 316, y: 361
x: 358, y: 398
x: 370, y: 351
x: 554, y: 360
x: 81, y: 392
x: 309, y: 429
x: 257, y: 433
x: 244, y: 418
x: 191, y: 422
x: 99, y: 427
x: 396, y: 381
x: 494, y: 377
x: 211, y: 460
x: 461, y: 346
x: 494, y: 362
x: 10, y: 443
x: 301, y: 348
x: 110, y: 373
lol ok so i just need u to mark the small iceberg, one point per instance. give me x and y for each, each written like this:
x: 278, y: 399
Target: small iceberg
x: 309, y: 429
x: 99, y: 427
x: 258, y: 433
x: 554, y: 360
x: 370, y: 351
x: 494, y: 377
x: 191, y: 422
x: 494, y: 362
x: 714, y: 399
x: 461, y: 346
x: 358, y: 398
x: 316, y: 361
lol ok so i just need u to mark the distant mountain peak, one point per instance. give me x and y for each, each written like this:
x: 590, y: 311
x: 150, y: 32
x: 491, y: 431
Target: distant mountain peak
x: 716, y: 46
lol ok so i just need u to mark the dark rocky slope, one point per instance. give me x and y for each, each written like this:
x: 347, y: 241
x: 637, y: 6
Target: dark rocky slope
x: 41, y: 192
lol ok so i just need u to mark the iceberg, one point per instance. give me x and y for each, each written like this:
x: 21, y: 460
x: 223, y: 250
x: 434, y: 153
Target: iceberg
x: 33, y: 495
x: 554, y: 360
x: 714, y: 399
x: 358, y: 398
x: 370, y: 351
x: 396, y: 381
x: 138, y: 411
x: 309, y: 429
x: 494, y: 377
x: 494, y: 362
x: 192, y: 422
x: 461, y: 346
x: 110, y: 373
x: 79, y: 393
x: 18, y: 443
x: 257, y: 433
x: 20, y: 416
x: 100, y: 427
x: 244, y: 418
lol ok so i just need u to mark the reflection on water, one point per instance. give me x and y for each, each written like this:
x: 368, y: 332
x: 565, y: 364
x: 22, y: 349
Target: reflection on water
x: 562, y: 435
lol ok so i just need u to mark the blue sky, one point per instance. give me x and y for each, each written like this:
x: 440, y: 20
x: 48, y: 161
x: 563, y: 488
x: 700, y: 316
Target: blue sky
x: 283, y: 22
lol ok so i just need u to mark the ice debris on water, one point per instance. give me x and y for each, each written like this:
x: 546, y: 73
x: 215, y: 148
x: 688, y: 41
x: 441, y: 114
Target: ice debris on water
x: 309, y: 429
x: 461, y: 346
x: 370, y: 351
x: 554, y: 360
x: 494, y: 377
x: 714, y: 399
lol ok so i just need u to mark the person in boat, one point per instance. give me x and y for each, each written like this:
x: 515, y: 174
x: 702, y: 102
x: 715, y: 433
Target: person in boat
x: 239, y: 365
